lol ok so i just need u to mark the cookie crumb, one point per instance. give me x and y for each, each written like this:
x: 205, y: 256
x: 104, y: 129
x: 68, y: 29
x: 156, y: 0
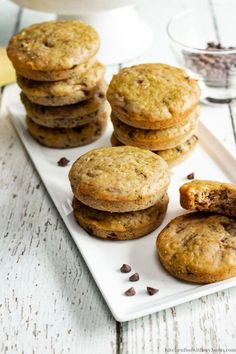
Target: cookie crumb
x: 190, y: 176
x: 125, y: 268
x: 134, y: 277
x: 152, y: 291
x: 130, y: 292
x: 14, y: 196
x: 63, y: 162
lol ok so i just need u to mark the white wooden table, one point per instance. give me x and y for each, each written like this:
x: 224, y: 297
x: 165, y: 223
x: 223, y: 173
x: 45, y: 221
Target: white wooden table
x: 49, y: 302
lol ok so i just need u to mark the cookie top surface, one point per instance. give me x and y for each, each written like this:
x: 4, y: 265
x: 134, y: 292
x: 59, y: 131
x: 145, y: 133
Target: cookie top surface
x: 153, y: 92
x: 121, y: 174
x: 54, y: 45
x: 199, y: 247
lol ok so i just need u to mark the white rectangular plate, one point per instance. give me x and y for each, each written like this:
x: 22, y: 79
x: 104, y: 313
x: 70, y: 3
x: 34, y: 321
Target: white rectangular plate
x: 210, y: 160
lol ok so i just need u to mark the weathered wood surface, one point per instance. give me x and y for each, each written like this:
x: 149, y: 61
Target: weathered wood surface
x: 48, y: 300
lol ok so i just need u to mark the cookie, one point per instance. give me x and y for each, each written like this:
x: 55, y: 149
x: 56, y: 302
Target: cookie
x: 171, y: 156
x: 68, y: 122
x: 119, y: 179
x: 209, y: 196
x: 64, y: 92
x: 68, y: 137
x: 153, y: 96
x: 47, y: 115
x: 120, y: 226
x: 155, y: 139
x: 53, y: 50
x: 199, y: 247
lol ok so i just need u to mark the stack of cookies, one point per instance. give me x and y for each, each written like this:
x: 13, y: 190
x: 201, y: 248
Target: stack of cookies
x: 155, y: 107
x: 120, y: 193
x: 63, y: 88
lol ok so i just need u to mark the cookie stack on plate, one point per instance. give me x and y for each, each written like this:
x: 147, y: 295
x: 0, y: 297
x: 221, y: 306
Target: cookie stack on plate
x: 120, y: 193
x: 63, y: 88
x: 155, y: 107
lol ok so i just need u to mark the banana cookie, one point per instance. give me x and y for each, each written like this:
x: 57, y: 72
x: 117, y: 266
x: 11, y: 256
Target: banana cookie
x: 64, y: 92
x: 199, y: 247
x: 155, y: 139
x: 153, y: 96
x: 69, y: 137
x: 120, y: 226
x: 53, y: 50
x: 209, y: 196
x: 119, y: 179
x: 52, y: 117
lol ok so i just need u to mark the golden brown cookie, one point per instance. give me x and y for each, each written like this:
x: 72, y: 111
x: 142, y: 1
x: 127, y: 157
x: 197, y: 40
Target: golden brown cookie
x: 155, y: 139
x: 63, y: 138
x: 64, y: 92
x: 153, y: 96
x: 209, y: 196
x: 48, y: 115
x: 52, y: 50
x: 119, y: 179
x: 171, y: 156
x: 120, y: 226
x: 199, y: 247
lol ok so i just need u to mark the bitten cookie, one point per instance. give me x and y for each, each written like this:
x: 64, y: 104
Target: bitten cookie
x: 68, y: 137
x: 120, y: 226
x: 119, y: 179
x: 209, y: 196
x: 153, y: 96
x: 53, y: 50
x: 155, y: 139
x: 63, y: 116
x: 199, y: 247
x: 78, y: 88
x: 171, y: 156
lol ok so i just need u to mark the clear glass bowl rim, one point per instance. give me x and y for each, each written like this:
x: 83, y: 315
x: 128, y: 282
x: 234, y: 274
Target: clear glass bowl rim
x: 187, y: 47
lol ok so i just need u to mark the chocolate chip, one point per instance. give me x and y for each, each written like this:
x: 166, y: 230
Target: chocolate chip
x: 130, y: 292
x: 134, y: 277
x: 152, y: 291
x: 125, y: 268
x: 63, y: 162
x: 190, y: 176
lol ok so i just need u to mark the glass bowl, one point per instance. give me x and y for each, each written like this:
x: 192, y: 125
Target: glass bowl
x: 203, y: 41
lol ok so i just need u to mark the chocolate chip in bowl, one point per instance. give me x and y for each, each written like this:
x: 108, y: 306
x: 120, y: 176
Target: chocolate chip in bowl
x: 203, y: 41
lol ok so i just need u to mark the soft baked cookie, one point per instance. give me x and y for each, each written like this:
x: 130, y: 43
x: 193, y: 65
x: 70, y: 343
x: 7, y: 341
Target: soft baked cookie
x: 69, y: 137
x: 155, y: 139
x: 199, y: 247
x: 64, y: 92
x: 53, y: 50
x: 153, y: 96
x: 48, y: 116
x: 120, y: 226
x: 69, y: 122
x: 119, y: 179
x: 209, y: 196
x: 171, y: 156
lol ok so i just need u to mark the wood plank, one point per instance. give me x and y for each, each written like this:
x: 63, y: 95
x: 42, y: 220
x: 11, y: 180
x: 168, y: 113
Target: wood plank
x: 47, y: 293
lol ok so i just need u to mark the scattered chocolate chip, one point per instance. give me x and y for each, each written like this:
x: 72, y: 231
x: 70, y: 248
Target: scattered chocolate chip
x: 130, y: 292
x: 125, y: 268
x: 134, y: 277
x: 63, y: 162
x: 152, y: 291
x: 190, y: 176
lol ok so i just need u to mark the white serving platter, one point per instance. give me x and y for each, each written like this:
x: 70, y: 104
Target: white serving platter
x: 210, y: 160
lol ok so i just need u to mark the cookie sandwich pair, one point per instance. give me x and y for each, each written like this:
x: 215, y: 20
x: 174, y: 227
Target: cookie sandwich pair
x: 62, y: 82
x: 155, y: 107
x: 120, y: 193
